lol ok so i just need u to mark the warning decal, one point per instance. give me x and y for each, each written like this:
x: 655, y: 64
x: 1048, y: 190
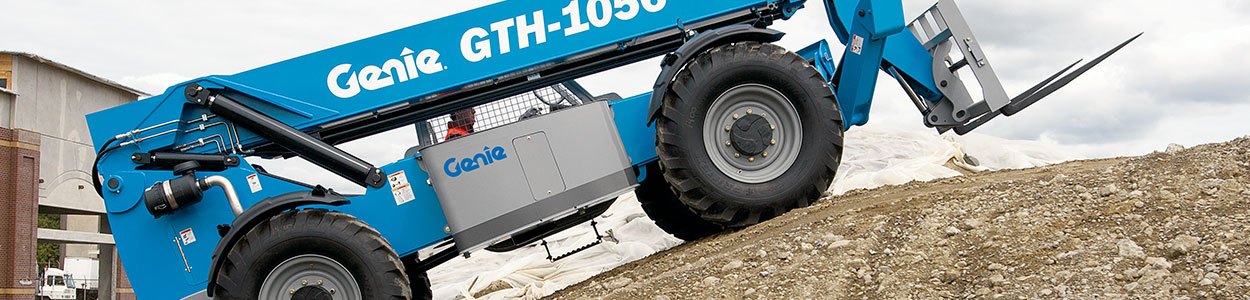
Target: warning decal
x: 253, y: 182
x: 187, y: 236
x: 857, y: 44
x: 400, y: 188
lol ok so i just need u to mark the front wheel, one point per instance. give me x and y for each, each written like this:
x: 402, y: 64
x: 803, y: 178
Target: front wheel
x: 748, y: 132
x: 313, y: 254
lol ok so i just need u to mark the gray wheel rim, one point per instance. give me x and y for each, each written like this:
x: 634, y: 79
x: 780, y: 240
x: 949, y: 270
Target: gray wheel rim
x: 309, y: 270
x: 775, y: 108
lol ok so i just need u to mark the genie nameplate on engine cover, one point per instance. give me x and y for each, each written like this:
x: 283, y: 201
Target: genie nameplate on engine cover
x: 510, y: 178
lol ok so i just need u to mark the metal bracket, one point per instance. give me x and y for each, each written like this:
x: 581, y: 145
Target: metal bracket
x: 941, y: 29
x: 598, y: 240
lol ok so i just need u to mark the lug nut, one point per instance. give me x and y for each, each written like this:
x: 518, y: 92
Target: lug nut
x: 726, y: 128
x: 772, y: 142
x: 748, y: 111
x: 751, y: 159
x: 736, y: 116
x: 737, y: 155
x: 292, y: 292
x: 772, y: 127
x: 765, y: 154
x: 318, y: 281
x: 728, y: 143
x: 303, y: 282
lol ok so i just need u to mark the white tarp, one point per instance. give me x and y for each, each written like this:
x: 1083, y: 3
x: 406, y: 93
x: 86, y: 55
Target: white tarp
x: 871, y: 158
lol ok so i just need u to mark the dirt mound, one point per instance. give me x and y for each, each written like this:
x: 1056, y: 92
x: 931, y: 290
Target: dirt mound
x: 1162, y: 225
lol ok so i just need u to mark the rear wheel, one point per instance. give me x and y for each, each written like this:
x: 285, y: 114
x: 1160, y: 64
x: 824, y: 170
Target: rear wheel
x: 313, y: 254
x: 661, y: 204
x: 748, y: 131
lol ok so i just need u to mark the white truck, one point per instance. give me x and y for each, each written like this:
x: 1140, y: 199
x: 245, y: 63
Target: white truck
x: 85, y: 271
x: 56, y: 285
x: 80, y: 279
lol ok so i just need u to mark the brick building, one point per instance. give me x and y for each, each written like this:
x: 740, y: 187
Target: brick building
x: 45, y: 162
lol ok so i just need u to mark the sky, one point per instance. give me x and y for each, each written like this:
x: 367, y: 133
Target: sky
x: 1184, y: 81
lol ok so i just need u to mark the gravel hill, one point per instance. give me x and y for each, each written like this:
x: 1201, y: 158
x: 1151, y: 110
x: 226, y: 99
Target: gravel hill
x: 1164, y: 225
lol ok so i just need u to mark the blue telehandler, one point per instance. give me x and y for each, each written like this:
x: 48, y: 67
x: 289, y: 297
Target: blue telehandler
x: 736, y: 131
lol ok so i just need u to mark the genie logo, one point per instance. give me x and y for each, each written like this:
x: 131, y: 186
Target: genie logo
x: 395, y: 70
x: 455, y: 166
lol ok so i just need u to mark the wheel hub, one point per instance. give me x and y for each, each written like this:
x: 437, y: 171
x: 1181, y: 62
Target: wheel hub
x: 311, y: 293
x: 312, y: 277
x: 751, y: 135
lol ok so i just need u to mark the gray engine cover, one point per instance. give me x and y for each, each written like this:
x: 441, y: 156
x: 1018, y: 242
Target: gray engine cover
x: 498, y: 182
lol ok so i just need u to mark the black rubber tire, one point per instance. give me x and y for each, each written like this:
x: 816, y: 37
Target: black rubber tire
x: 352, y: 243
x: 419, y: 281
x: 702, y: 187
x: 660, y: 202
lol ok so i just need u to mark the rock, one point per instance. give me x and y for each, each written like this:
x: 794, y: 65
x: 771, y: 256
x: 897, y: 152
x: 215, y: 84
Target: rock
x: 997, y: 279
x: 1080, y: 188
x: 1131, y: 286
x: 1206, y: 281
x: 1212, y: 276
x: 996, y: 267
x: 784, y: 255
x: 830, y: 238
x: 1182, y: 245
x: 1136, y: 194
x: 1211, y: 183
x: 1138, y: 203
x: 661, y: 297
x: 806, y: 247
x: 1130, y: 249
x: 1158, y: 263
x: 1046, y: 292
x: 617, y: 283
x: 1108, y: 190
x: 969, y: 224
x: 951, y: 231
x: 839, y: 244
x: 949, y: 276
x: 732, y: 265
x: 1211, y: 186
x: 1173, y: 148
x: 710, y: 281
x: 748, y: 292
x: 761, y: 253
x: 983, y: 291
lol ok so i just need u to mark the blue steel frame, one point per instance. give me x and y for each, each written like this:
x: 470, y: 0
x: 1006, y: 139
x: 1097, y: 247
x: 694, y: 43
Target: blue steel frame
x: 397, y: 69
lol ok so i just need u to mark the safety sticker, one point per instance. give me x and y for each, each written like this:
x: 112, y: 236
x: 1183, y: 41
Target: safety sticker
x: 400, y: 188
x: 857, y: 44
x: 253, y: 182
x: 187, y: 235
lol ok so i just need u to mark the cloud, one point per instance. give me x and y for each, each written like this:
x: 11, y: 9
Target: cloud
x: 154, y: 84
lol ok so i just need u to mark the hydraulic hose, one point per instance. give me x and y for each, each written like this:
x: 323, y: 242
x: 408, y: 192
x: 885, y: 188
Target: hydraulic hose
x: 95, y: 166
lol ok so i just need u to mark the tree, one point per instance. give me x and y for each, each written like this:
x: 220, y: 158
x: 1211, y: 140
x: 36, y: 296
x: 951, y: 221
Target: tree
x: 48, y: 254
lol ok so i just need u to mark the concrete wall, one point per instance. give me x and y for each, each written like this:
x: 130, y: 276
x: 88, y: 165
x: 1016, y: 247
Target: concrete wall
x: 6, y: 110
x: 53, y: 103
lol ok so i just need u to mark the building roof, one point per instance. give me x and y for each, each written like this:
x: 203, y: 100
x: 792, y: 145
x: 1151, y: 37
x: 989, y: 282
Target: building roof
x: 82, y: 73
